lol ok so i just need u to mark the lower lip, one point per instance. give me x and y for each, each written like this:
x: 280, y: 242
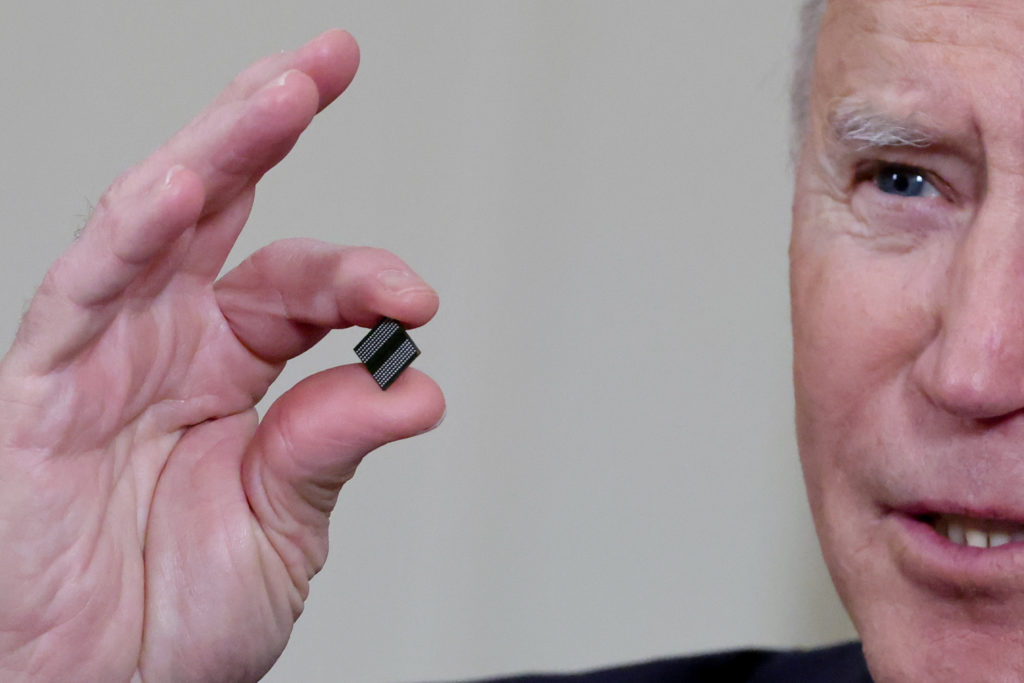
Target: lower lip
x: 946, y: 567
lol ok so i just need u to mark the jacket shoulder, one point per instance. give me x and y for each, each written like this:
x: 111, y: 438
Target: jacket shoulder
x: 837, y: 664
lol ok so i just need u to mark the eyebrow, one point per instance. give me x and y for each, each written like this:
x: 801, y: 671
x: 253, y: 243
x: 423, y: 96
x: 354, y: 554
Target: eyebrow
x: 856, y: 124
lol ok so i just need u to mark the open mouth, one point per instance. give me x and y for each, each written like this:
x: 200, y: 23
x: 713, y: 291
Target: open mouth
x: 975, y: 532
x: 963, y: 554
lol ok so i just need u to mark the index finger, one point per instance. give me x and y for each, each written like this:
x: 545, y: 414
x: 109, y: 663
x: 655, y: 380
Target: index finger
x: 330, y: 59
x: 210, y: 165
x: 229, y: 159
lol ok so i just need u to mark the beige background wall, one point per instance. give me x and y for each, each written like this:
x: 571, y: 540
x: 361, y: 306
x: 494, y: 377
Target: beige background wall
x: 600, y: 192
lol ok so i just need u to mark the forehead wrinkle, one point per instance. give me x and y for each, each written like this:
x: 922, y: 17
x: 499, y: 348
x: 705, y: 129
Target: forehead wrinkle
x: 986, y: 25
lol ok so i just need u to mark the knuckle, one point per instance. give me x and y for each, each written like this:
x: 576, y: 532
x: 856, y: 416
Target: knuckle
x: 108, y: 216
x: 111, y: 230
x: 51, y: 280
x: 297, y: 245
x: 368, y: 260
x: 115, y: 192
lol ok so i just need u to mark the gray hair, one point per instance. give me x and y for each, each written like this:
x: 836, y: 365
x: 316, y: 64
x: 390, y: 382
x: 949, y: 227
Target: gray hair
x: 855, y: 123
x: 803, y: 69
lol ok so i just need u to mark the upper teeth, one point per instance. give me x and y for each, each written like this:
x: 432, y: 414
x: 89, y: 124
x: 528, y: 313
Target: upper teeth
x: 978, y: 533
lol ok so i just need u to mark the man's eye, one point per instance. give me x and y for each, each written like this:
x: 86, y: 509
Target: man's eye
x: 904, y: 181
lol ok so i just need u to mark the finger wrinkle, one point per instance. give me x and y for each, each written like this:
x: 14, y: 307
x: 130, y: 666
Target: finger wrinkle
x: 267, y: 490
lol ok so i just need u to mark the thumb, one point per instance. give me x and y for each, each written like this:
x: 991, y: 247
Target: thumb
x: 310, y: 443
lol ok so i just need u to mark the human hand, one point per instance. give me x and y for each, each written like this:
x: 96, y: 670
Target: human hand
x: 152, y: 528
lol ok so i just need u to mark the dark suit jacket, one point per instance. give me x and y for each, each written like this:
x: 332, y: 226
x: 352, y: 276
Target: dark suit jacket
x: 836, y: 664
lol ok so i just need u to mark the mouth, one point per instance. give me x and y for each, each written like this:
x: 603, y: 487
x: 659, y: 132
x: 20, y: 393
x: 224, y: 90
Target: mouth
x: 948, y: 549
x: 975, y: 532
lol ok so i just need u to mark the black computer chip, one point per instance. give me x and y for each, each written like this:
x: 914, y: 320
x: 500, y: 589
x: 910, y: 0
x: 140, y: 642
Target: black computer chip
x: 387, y: 351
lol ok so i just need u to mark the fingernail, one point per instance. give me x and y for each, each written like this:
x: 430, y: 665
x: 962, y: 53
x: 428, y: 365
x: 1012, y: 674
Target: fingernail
x: 280, y: 80
x: 399, y: 281
x: 171, y: 172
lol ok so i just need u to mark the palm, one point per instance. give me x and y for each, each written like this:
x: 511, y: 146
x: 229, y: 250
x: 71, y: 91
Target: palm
x: 162, y: 530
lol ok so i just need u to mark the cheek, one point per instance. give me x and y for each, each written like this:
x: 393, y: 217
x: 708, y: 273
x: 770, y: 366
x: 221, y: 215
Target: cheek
x: 860, y: 319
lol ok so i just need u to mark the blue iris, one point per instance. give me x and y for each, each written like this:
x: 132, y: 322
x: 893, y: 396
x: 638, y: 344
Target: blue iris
x: 903, y: 181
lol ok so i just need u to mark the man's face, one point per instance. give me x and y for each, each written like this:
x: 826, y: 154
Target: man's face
x: 907, y: 276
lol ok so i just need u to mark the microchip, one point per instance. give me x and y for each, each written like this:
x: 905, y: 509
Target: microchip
x: 387, y: 351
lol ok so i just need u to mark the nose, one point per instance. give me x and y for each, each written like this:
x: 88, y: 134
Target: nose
x: 974, y: 366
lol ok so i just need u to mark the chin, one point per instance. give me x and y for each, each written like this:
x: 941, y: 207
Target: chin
x: 941, y: 619
x: 908, y: 648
